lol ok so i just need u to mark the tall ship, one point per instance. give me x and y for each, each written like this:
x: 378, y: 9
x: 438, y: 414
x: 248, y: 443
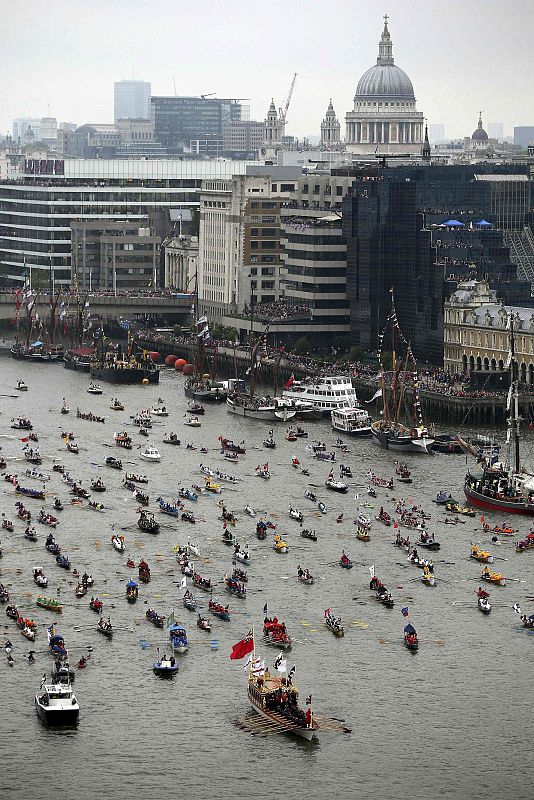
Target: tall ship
x: 503, y: 485
x: 246, y: 404
x: 44, y: 348
x: 79, y: 358
x: 112, y: 363
x: 396, y: 384
x: 203, y: 386
x: 324, y: 394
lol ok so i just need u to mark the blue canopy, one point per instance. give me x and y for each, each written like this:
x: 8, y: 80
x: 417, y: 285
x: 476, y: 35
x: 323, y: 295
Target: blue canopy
x: 175, y: 628
x: 453, y: 223
x: 409, y: 628
x: 37, y: 344
x: 131, y: 583
x: 483, y: 224
x: 56, y: 639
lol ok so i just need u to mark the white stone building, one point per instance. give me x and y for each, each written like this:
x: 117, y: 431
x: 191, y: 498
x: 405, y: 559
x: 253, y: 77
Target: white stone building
x: 180, y: 255
x: 476, y: 332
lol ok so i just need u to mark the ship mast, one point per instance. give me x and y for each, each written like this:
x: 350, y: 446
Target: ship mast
x: 513, y: 398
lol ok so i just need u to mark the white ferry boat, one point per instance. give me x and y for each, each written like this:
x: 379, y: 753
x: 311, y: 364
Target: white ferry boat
x: 325, y: 394
x: 352, y: 421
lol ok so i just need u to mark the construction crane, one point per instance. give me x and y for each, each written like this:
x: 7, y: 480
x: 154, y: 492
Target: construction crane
x: 211, y: 94
x: 283, y: 114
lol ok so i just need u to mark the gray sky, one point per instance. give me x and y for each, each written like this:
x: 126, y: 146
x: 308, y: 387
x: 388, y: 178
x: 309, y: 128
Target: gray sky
x: 60, y: 57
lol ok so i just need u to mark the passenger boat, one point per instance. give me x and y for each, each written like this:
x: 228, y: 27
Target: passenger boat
x: 351, y: 421
x: 172, y: 438
x: 132, y: 591
x: 105, y: 627
x: 192, y: 422
x: 56, y: 703
x: 165, y: 667
x: 94, y: 388
x: 220, y: 611
x: 178, y: 638
x: 21, y: 424
x: 116, y: 405
x: 50, y: 603
x: 410, y: 638
x: 334, y: 624
x: 147, y: 523
x: 493, y: 577
x: 480, y: 555
x: 279, y: 545
x: 265, y: 692
x: 150, y: 453
x: 275, y: 633
x: 323, y: 394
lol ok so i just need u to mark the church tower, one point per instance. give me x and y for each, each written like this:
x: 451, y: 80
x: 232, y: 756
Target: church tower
x: 274, y: 132
x: 330, y: 128
x: 425, y: 152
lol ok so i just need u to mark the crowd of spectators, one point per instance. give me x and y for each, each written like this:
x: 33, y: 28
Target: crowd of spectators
x: 279, y: 310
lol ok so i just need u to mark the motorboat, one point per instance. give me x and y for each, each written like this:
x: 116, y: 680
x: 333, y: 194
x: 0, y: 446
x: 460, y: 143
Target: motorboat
x: 165, y: 667
x: 94, y: 388
x: 295, y: 514
x: 192, y: 422
x: 336, y: 486
x: 56, y: 703
x: 150, y: 453
x: 21, y: 386
x: 159, y: 411
x: 116, y: 405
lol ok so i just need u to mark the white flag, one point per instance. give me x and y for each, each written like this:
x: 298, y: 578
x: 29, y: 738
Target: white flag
x: 281, y: 666
x: 372, y: 570
x: 248, y: 662
x: 183, y: 583
x: 378, y: 393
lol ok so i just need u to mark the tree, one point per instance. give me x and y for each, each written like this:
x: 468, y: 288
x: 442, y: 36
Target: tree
x: 301, y: 346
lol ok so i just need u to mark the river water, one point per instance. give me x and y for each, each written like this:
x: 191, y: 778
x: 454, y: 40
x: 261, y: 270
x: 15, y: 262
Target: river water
x: 453, y: 720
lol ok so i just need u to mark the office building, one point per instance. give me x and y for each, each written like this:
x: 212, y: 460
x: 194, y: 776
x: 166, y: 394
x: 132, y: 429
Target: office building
x: 384, y: 117
x: 131, y: 100
x: 398, y: 237
x: 184, y: 122
x: 242, y: 139
x: 436, y: 133
x: 113, y: 255
x: 42, y: 197
x: 496, y: 131
x: 524, y: 135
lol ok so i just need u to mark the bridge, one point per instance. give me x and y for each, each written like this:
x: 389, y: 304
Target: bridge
x: 173, y: 308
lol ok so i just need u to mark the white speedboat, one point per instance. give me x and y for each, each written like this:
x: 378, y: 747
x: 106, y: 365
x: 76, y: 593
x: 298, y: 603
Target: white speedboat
x: 150, y: 453
x: 21, y: 386
x: 352, y: 421
x: 56, y: 703
x: 192, y: 422
x: 94, y: 388
x: 325, y: 394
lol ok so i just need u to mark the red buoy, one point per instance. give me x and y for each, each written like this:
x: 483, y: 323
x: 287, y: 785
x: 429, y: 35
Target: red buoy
x: 180, y: 363
x: 188, y: 369
x: 169, y: 360
x: 155, y: 357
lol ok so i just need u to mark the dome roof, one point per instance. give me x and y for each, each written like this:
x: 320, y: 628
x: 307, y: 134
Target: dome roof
x: 385, y: 80
x: 479, y: 135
